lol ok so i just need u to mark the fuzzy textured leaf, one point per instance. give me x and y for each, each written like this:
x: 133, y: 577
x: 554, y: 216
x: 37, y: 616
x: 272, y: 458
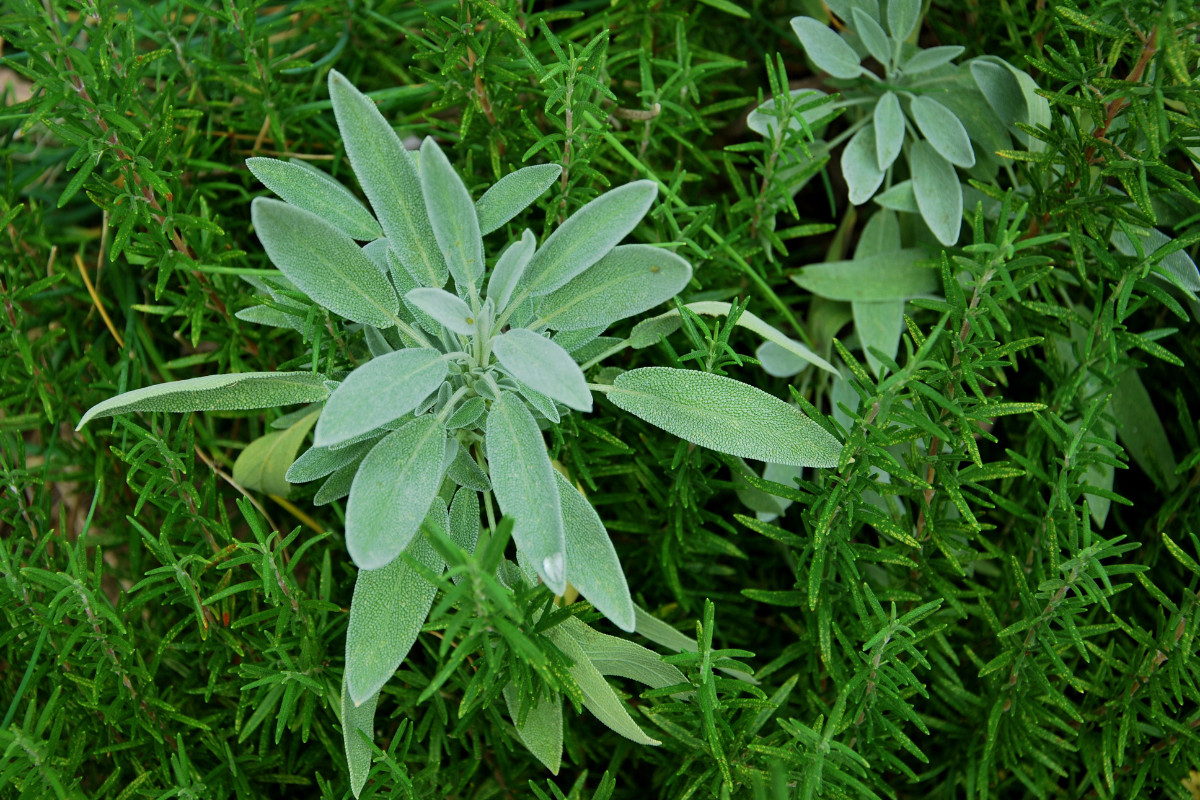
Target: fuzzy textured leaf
x: 938, y: 192
x: 889, y: 130
x: 943, y: 130
x: 509, y: 269
x: 542, y: 732
x: 313, y: 190
x: 357, y: 722
x: 885, y: 276
x: 598, y: 696
x: 381, y: 390
x: 860, y: 165
x: 512, y: 194
x: 544, y: 366
x: 444, y: 308
x: 592, y: 564
x: 827, y: 50
x: 264, y: 464
x: 452, y: 216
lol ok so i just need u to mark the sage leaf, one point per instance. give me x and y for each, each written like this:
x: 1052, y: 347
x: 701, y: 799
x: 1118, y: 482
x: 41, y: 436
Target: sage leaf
x: 512, y: 194
x: 272, y: 317
x: 611, y: 655
x: 380, y: 391
x: 392, y: 491
x: 452, y: 216
x: 538, y: 402
x: 466, y: 473
x: 587, y: 236
x: 943, y: 130
x: 317, y: 462
x: 598, y: 696
x: 509, y: 269
x: 523, y: 482
x: 466, y: 415
x: 886, y: 276
x: 544, y: 366
x: 878, y: 323
x: 880, y: 235
x: 377, y: 343
x: 779, y: 362
x: 902, y: 16
x: 724, y: 415
x: 389, y: 179
x: 1178, y: 265
x: 873, y: 36
x: 666, y: 636
x: 542, y: 730
x: 1141, y: 431
x: 827, y: 50
x: 358, y: 722
x: 387, y: 611
x: 241, y: 391
x: 313, y: 190
x: 574, y: 341
x: 860, y: 165
x: 931, y: 58
x: 264, y: 464
x: 889, y: 130
x: 629, y: 280
x: 937, y: 191
x: 763, y: 120
x: 651, y: 331
x: 337, y: 485
x: 464, y: 518
x: 592, y: 564
x: 445, y: 308
x: 899, y: 198
x: 324, y: 263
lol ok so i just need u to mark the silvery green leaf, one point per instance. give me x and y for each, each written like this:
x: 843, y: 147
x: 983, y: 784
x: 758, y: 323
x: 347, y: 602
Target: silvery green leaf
x: 453, y: 448
x: 1141, y: 431
x: 1001, y: 89
x: 241, y: 391
x: 324, y: 263
x: 587, y: 236
x: 573, y: 341
x: 381, y: 390
x: 272, y: 317
x: 358, y: 722
x: 860, y: 165
x: 513, y: 193
x: 389, y: 178
x: 401, y: 277
x: 938, y: 192
x: 377, y: 343
x: 631, y: 279
x: 984, y: 128
x: 827, y: 50
x: 1038, y: 109
x: 930, y: 58
x: 1178, y: 265
x: 611, y: 655
x: 592, y: 564
x: 652, y: 331
x: 544, y: 366
x: 467, y: 414
x: 452, y: 215
x: 880, y: 235
x: 873, y: 36
x: 464, y: 519
x: 903, y: 16
x: 317, y: 192
x: 757, y: 500
x: 523, y: 482
x: 377, y: 250
x: 899, y: 198
x: 263, y: 465
x: 889, y: 129
x: 466, y: 473
x: 724, y: 415
x: 386, y: 614
x: 943, y: 130
x: 337, y: 485
x: 538, y: 402
x: 285, y: 421
x: 445, y: 308
x: 878, y: 323
x: 509, y: 269
x: 779, y: 362
x: 598, y: 696
x: 542, y: 731
x: 885, y: 276
x: 763, y: 119
x: 317, y: 462
x: 392, y: 491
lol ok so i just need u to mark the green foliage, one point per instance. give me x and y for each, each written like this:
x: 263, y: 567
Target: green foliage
x: 987, y: 588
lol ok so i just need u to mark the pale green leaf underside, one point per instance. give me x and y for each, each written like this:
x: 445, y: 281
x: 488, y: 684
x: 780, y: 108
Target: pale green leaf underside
x: 724, y: 415
x: 889, y: 130
x: 523, y: 482
x: 317, y: 462
x: 629, y: 280
x: 357, y: 722
x: 392, y: 491
x: 542, y: 733
x: 389, y: 179
x: 509, y: 269
x: 245, y: 390
x: 452, y: 216
x: 543, y: 366
x: 444, y: 308
x: 381, y: 390
x: 860, y: 165
x: 878, y: 323
x: 779, y: 362
x: 611, y: 655
x: 324, y: 263
x: 931, y: 58
x: 386, y: 614
x: 943, y: 130
x: 263, y: 465
x: 872, y: 35
x: 598, y: 696
x: 464, y: 519
x: 938, y: 192
x: 512, y: 194
x: 588, y: 235
x: 885, y: 276
x: 827, y: 50
x: 592, y: 564
x: 317, y: 192
x: 902, y: 17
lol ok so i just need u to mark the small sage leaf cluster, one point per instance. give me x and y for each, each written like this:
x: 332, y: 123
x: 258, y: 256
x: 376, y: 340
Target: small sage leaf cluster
x: 467, y: 366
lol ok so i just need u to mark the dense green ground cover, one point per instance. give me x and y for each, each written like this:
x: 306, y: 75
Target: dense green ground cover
x: 993, y: 595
